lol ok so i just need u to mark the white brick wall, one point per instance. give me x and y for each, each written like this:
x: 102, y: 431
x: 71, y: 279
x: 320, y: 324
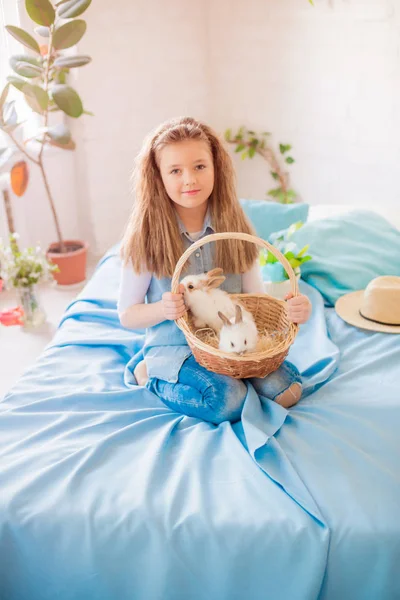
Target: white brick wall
x: 325, y: 79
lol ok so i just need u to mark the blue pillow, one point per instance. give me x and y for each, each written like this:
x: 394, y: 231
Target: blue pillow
x: 268, y: 217
x: 348, y: 251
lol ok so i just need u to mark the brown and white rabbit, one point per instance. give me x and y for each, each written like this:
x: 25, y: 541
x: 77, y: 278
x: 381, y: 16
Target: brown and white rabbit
x: 206, y: 301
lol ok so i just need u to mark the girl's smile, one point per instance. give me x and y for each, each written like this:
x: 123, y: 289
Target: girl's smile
x: 192, y: 192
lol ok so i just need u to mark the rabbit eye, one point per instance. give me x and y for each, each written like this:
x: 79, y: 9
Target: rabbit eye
x: 190, y: 286
x: 232, y: 344
x: 245, y: 342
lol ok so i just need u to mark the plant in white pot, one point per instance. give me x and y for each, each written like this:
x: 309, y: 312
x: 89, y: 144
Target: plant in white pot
x: 276, y: 280
x: 41, y: 76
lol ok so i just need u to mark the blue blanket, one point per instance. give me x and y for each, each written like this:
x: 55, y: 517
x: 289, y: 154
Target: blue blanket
x: 107, y: 494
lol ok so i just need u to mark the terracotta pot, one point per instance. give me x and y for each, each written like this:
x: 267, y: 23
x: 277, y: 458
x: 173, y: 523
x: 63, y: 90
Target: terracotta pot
x: 72, y: 264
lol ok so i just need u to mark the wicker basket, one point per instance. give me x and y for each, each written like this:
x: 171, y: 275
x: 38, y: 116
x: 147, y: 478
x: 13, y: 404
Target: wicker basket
x: 269, y: 314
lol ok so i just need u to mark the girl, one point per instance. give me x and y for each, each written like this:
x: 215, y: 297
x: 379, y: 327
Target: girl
x: 185, y: 191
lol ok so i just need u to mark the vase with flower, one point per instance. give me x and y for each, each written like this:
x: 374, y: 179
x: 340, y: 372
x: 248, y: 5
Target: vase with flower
x: 24, y: 270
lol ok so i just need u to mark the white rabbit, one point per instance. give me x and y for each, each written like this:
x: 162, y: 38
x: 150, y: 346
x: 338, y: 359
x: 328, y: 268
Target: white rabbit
x: 239, y: 334
x: 205, y: 301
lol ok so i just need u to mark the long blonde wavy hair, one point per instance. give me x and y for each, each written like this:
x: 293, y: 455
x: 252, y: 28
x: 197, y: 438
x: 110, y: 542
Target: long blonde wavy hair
x: 152, y: 240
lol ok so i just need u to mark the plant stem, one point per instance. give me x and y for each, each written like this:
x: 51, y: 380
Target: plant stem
x: 46, y: 85
x: 53, y: 210
x: 9, y: 215
x: 269, y: 155
x: 43, y: 143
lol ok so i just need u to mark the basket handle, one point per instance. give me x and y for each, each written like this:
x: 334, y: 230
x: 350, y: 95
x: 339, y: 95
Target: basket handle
x: 235, y: 236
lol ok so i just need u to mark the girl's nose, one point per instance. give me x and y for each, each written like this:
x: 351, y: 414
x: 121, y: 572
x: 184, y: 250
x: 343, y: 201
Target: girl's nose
x: 190, y: 179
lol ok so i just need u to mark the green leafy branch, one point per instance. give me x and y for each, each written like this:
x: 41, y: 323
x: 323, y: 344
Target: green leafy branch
x: 296, y: 259
x: 249, y: 143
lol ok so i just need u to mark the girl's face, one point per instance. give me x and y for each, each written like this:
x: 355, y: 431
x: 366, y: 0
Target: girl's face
x: 187, y: 171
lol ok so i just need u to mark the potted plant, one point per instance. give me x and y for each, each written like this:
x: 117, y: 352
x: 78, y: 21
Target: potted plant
x: 23, y: 270
x: 41, y: 76
x: 276, y: 280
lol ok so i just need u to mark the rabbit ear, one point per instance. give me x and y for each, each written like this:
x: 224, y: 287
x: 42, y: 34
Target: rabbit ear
x: 214, y: 282
x: 215, y: 272
x: 224, y: 319
x: 238, y: 314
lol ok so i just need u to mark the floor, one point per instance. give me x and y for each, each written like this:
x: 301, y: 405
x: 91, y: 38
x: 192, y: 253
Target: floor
x: 19, y: 348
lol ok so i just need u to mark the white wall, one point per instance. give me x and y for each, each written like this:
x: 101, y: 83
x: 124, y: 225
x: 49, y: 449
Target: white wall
x: 154, y: 65
x: 325, y: 79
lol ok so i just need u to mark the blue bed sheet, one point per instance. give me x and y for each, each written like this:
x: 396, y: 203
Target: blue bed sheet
x: 107, y: 494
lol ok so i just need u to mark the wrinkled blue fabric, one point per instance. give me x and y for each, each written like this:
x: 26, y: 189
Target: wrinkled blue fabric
x: 106, y: 493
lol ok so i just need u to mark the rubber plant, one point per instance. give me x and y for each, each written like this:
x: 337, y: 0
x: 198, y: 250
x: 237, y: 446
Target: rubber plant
x: 41, y: 76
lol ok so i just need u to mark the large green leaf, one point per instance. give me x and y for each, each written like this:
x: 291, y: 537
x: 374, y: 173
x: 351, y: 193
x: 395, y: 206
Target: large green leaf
x: 70, y: 62
x: 26, y: 66
x: 69, y: 34
x: 72, y: 8
x: 34, y: 105
x: 17, y: 82
x: 67, y: 99
x: 40, y: 11
x: 26, y: 70
x: 23, y: 37
x: 37, y: 95
x: 60, y: 134
x: 32, y: 60
x: 70, y: 146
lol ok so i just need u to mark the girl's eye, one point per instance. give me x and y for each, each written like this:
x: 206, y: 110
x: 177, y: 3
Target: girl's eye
x: 232, y: 344
x: 201, y: 167
x: 174, y: 171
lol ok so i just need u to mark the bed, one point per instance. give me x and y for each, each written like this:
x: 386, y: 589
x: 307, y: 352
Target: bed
x: 107, y: 494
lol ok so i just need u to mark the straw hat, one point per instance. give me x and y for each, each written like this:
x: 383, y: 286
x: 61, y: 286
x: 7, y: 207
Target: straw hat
x: 376, y: 308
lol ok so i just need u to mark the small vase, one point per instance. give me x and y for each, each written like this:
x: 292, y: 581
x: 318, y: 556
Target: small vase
x: 34, y: 314
x: 278, y: 288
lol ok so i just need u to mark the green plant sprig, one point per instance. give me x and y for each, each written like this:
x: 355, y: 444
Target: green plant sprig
x: 249, y: 143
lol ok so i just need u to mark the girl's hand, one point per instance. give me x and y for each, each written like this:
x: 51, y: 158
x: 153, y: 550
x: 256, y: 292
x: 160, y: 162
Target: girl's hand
x: 299, y: 308
x: 173, y: 305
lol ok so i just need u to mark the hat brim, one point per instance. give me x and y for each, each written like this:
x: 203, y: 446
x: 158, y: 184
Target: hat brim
x: 348, y: 309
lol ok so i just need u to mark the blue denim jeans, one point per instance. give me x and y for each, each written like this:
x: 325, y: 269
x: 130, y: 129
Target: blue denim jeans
x: 212, y: 397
